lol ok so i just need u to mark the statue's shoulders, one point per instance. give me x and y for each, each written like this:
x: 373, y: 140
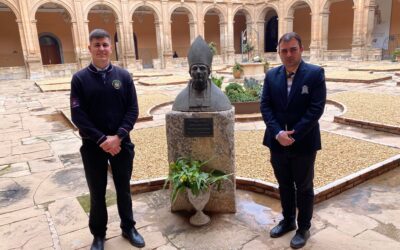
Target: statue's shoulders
x: 219, y: 101
x: 181, y: 102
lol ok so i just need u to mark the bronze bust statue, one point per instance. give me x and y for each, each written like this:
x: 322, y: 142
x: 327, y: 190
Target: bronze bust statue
x: 201, y: 94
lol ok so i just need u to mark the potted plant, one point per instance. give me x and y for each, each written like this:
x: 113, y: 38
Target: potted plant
x: 396, y: 54
x: 248, y: 48
x: 213, y: 48
x: 237, y: 70
x: 188, y: 174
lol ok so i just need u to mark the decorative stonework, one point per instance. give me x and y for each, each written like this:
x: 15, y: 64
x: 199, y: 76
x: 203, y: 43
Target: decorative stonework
x: 219, y: 148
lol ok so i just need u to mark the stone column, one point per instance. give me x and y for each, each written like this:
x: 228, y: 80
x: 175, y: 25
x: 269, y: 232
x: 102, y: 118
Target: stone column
x: 22, y: 39
x: 167, y: 39
x: 160, y: 42
x: 83, y: 56
x: 193, y: 31
x: 200, y: 20
x: 324, y: 28
x: 261, y: 36
x: 127, y: 47
x: 357, y: 43
x: 223, y: 40
x: 230, y: 51
x: 219, y: 148
x: 34, y: 58
x: 315, y: 52
x: 369, y: 21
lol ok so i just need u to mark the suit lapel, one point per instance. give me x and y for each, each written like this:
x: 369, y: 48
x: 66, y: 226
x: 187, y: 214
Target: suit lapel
x: 282, y: 84
x: 297, y: 81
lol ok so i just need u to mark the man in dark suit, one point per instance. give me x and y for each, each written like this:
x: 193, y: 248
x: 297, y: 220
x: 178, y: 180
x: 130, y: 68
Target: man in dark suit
x: 292, y: 101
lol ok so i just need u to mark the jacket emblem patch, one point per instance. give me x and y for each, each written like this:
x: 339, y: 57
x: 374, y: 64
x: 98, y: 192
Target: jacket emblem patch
x: 116, y: 84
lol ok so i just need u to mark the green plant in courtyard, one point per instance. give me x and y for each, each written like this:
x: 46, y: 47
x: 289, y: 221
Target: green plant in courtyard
x: 217, y: 80
x: 188, y: 173
x: 237, y: 67
x: 249, y: 93
x: 213, y: 48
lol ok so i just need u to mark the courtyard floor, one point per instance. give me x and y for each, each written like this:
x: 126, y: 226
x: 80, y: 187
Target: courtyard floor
x: 41, y: 179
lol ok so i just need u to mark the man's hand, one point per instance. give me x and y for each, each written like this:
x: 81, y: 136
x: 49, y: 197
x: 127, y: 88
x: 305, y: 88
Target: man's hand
x: 111, y: 145
x: 284, y: 138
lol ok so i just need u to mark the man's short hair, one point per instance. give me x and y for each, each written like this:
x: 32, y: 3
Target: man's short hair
x: 98, y: 33
x: 289, y: 36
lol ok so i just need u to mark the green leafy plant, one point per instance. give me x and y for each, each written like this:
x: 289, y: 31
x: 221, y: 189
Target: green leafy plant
x: 217, y: 80
x: 251, y: 91
x: 213, y: 48
x: 396, y: 52
x: 237, y: 67
x: 248, y: 48
x: 188, y: 173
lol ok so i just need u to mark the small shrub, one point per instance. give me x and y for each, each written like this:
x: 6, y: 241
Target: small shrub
x: 217, y: 80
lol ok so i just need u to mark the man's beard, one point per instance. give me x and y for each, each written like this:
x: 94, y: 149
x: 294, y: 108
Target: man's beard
x: 199, y: 84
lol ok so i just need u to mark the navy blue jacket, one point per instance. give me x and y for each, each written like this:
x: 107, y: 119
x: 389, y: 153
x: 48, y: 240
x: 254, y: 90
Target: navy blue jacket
x: 103, y: 103
x: 300, y: 110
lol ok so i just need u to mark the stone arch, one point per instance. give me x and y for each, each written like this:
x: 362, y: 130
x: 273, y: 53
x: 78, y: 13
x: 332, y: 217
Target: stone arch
x: 220, y: 27
x: 59, y: 47
x: 13, y: 8
x: 268, y: 28
x: 146, y: 37
x: 114, y: 7
x: 245, y: 10
x: 221, y: 13
x: 37, y: 5
x: 191, y: 15
x: 294, y: 3
x: 268, y: 7
x: 326, y: 4
x: 331, y: 39
x: 156, y: 11
x: 12, y: 43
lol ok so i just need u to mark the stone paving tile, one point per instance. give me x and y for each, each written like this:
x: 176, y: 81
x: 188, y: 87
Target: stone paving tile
x: 378, y: 239
x: 31, y: 233
x: 14, y: 170
x: 13, y: 136
x: 19, y: 193
x: 25, y: 157
x: 333, y: 239
x: 68, y: 182
x: 20, y: 215
x: 46, y: 164
x: 68, y: 146
x: 348, y: 223
x: 25, y: 149
x: 68, y: 215
x: 76, y: 240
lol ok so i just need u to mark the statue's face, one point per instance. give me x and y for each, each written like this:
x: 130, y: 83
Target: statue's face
x: 199, y: 74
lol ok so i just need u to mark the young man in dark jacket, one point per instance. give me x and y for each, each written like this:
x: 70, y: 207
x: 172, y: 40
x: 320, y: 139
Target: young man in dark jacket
x: 292, y: 101
x: 104, y: 108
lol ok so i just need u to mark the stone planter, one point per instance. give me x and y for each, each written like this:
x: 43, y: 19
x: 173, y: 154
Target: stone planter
x: 237, y: 74
x: 246, y: 107
x: 199, y: 202
x: 252, y: 69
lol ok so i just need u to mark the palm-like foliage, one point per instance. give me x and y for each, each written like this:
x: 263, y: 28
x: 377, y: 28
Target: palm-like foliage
x: 187, y: 173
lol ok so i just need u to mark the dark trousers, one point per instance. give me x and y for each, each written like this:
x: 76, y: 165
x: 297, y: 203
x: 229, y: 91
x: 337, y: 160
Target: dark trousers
x: 95, y: 162
x: 295, y: 174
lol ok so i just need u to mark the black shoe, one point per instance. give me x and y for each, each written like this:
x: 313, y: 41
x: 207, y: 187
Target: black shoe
x: 300, y: 239
x: 282, y: 228
x: 134, y: 237
x: 98, y: 243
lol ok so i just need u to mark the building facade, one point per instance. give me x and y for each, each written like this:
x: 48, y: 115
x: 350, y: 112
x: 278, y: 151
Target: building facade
x: 48, y: 38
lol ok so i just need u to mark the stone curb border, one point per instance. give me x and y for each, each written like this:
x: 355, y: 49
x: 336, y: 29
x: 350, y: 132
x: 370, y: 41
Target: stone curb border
x: 362, y: 124
x: 149, y: 116
x: 375, y: 70
x: 331, y: 79
x: 321, y: 194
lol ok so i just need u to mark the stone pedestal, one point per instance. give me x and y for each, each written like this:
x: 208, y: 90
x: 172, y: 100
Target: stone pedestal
x: 219, y: 148
x: 35, y: 67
